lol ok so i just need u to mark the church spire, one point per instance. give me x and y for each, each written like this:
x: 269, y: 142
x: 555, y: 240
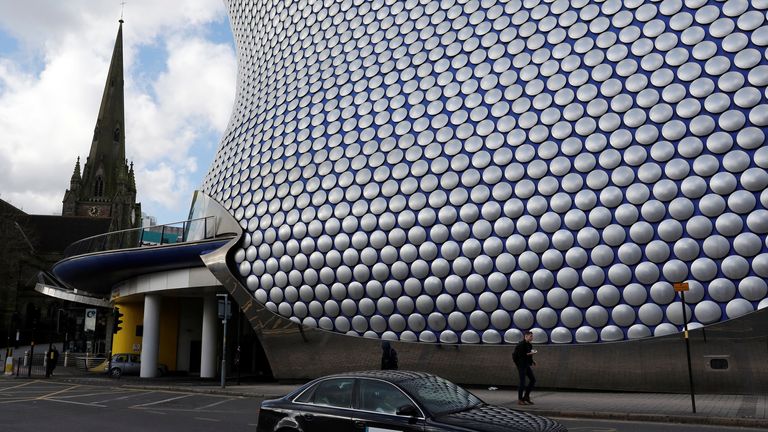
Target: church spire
x: 106, y: 187
x: 107, y: 153
x: 74, y: 181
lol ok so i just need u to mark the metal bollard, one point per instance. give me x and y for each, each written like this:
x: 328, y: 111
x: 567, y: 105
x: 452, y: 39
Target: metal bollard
x: 66, y: 358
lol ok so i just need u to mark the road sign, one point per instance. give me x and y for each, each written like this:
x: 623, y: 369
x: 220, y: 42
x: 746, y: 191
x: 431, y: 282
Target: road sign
x: 681, y: 286
x: 225, y: 307
x: 90, y: 319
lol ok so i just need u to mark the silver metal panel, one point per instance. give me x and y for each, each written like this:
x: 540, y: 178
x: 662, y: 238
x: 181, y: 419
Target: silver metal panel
x: 60, y: 293
x: 653, y: 364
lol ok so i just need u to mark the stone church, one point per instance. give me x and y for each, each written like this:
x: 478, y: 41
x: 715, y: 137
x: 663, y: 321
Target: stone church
x: 101, y: 198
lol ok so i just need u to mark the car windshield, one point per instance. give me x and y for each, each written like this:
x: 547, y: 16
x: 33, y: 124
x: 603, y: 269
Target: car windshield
x: 440, y: 396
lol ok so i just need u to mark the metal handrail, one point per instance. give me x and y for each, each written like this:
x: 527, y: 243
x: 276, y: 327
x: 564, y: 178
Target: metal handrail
x: 135, y: 237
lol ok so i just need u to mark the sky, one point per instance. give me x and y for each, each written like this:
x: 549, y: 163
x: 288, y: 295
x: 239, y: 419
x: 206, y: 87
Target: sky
x: 180, y: 79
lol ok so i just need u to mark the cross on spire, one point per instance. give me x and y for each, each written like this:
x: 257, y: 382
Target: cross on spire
x: 122, y: 9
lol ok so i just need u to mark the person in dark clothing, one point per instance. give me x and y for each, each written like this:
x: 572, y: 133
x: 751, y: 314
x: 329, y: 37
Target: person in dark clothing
x: 54, y: 359
x: 523, y: 358
x: 388, y: 357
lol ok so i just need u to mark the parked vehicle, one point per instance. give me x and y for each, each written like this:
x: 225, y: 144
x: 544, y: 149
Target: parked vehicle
x: 128, y: 364
x: 392, y: 400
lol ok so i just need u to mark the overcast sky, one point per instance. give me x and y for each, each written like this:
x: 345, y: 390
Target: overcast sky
x: 180, y: 72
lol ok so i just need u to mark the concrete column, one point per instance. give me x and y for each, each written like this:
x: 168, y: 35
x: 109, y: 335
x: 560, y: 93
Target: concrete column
x: 150, y: 343
x: 209, y: 345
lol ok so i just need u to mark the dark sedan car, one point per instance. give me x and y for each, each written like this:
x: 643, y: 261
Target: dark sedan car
x: 389, y: 401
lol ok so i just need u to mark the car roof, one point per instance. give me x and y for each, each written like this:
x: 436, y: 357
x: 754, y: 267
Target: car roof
x: 393, y: 376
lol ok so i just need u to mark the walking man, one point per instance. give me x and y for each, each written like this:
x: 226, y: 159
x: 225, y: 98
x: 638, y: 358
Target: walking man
x: 523, y: 358
x: 54, y: 358
x: 49, y: 361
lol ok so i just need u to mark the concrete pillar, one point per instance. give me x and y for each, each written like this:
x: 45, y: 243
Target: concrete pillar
x: 209, y: 345
x: 150, y: 343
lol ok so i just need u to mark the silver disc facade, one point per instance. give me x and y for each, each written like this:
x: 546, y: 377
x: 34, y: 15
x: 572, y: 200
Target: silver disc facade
x: 464, y: 171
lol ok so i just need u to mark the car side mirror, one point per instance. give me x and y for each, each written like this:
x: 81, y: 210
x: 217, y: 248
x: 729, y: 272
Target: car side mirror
x: 408, y: 410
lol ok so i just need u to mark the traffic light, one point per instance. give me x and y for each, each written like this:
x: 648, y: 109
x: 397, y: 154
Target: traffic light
x: 116, y: 322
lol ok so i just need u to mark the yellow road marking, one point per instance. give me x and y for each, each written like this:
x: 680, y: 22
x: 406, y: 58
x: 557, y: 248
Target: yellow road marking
x: 17, y: 400
x: 55, y: 393
x: 20, y: 385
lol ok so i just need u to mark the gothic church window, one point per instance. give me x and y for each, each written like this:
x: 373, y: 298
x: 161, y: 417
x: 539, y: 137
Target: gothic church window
x: 99, y: 187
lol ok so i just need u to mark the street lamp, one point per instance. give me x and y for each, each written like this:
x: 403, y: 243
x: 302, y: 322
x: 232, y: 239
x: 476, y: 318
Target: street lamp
x: 682, y: 287
x: 224, y: 314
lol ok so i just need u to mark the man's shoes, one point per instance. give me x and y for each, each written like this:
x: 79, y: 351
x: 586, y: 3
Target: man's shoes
x: 529, y: 402
x: 521, y: 402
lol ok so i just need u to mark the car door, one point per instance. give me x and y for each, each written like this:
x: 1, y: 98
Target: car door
x: 118, y: 361
x: 377, y: 406
x: 327, y: 406
x: 134, y: 364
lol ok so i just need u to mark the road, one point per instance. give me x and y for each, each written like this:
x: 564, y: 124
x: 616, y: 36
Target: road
x: 37, y: 405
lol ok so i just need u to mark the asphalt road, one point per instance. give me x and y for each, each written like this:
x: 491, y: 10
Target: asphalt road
x: 35, y: 406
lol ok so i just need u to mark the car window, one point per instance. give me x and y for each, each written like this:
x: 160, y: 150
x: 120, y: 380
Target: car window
x: 334, y: 392
x: 440, y: 396
x: 119, y: 359
x: 379, y: 396
x: 135, y: 358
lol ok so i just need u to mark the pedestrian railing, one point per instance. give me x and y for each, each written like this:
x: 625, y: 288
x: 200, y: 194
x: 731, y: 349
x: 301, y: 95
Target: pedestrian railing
x: 90, y: 363
x: 203, y: 228
x: 29, y: 365
x: 36, y: 365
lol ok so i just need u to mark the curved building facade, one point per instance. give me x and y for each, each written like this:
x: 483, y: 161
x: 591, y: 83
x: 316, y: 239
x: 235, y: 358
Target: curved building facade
x: 463, y: 171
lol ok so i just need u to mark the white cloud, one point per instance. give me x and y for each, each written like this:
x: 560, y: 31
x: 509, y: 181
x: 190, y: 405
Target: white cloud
x: 48, y: 105
x: 166, y: 183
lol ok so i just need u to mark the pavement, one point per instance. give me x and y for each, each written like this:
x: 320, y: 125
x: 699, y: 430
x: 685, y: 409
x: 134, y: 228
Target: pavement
x: 712, y: 409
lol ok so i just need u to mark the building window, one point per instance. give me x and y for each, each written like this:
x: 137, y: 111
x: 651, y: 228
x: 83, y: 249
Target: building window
x: 99, y: 187
x: 718, y: 363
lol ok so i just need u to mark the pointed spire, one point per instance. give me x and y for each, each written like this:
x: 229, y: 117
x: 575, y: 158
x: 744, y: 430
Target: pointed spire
x: 76, y: 172
x: 106, y: 158
x: 131, y: 178
x: 74, y: 181
x: 107, y: 182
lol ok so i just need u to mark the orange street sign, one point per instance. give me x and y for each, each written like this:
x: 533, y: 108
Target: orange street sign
x: 681, y: 286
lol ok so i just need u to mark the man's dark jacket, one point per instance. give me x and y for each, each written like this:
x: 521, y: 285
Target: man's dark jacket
x: 520, y: 356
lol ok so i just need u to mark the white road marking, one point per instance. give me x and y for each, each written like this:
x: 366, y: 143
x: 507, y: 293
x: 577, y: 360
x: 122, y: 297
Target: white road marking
x: 214, y: 404
x: 161, y: 401
x: 87, y: 394
x: 207, y: 419
x: 124, y: 397
x: 75, y: 403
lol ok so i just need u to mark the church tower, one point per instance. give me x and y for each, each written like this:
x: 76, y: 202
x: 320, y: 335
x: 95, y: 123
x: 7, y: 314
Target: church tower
x: 107, y: 186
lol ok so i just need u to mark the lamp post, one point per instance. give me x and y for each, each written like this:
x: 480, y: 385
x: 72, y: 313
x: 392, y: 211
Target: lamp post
x: 682, y: 287
x: 224, y: 314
